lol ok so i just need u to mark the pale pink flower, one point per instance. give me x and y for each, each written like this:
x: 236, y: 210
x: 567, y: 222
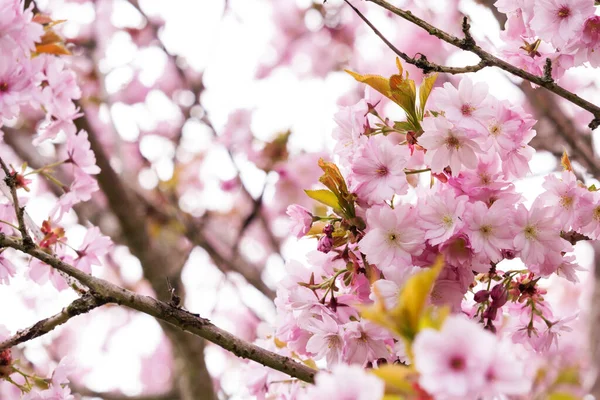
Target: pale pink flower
x: 301, y: 220
x: 348, y: 133
x: 326, y: 340
x: 558, y: 21
x: 7, y: 269
x: 347, y: 382
x: 392, y: 238
x: 378, y: 170
x: 466, y: 107
x: 61, y: 119
x: 441, y: 215
x: 505, y: 375
x: 364, y: 341
x: 502, y: 127
x: 81, y: 189
x: 16, y: 28
x: 537, y: 234
x: 42, y: 273
x: 15, y: 84
x: 80, y: 153
x: 588, y: 48
x: 447, y: 292
x: 550, y: 335
x: 453, y: 361
x: 61, y: 81
x: 562, y: 195
x: 489, y: 229
x: 94, y: 246
x: 386, y: 291
x: 447, y: 145
x: 568, y: 269
x: 54, y: 392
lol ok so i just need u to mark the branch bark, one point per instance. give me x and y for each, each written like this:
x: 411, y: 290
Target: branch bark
x: 179, y: 318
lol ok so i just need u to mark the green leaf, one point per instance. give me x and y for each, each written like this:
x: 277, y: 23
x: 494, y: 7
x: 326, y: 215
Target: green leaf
x: 425, y: 90
x: 324, y: 196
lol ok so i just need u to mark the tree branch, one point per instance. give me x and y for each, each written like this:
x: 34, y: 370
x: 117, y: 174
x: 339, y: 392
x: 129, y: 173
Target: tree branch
x: 182, y: 319
x: 10, y: 181
x: 421, y: 62
x: 82, y: 305
x: 491, y: 60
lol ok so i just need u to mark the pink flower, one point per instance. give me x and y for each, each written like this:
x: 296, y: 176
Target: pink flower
x: 16, y: 28
x: 386, y: 291
x: 558, y: 21
x: 441, y: 216
x: 81, y: 189
x: 466, y: 107
x: 301, y: 220
x: 364, y: 341
x: 94, y: 246
x: 378, y: 170
x: 60, y: 120
x: 453, y: 361
x: 348, y: 382
x: 7, y: 269
x: 42, y: 273
x: 537, y: 234
x: 504, y: 375
x: 447, y: 145
x: 348, y: 133
x: 80, y: 153
x: 562, y: 195
x: 326, y: 340
x: 392, y: 238
x: 489, y: 229
x: 15, y: 84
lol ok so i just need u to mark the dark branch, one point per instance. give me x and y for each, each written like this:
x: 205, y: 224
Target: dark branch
x: 421, y: 62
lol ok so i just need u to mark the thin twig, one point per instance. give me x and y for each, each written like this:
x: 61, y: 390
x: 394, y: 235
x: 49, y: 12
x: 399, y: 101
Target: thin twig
x: 421, y: 62
x: 10, y: 181
x: 82, y: 305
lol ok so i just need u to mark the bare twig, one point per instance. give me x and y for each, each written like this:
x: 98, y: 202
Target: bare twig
x: 491, y: 60
x: 184, y: 320
x: 82, y: 305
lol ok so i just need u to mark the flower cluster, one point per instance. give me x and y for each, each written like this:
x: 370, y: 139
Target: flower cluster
x: 565, y: 32
x: 387, y: 226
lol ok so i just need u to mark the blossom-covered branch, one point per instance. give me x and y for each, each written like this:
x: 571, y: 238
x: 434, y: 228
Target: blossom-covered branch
x: 490, y: 60
x: 185, y: 320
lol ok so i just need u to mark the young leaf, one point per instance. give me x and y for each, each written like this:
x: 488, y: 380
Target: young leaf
x: 565, y: 162
x: 324, y: 196
x: 425, y: 91
x: 377, y: 82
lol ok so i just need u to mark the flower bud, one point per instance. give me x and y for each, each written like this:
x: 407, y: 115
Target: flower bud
x: 491, y: 312
x: 499, y: 295
x: 508, y: 254
x: 325, y: 244
x: 5, y: 363
x: 328, y: 230
x: 481, y: 296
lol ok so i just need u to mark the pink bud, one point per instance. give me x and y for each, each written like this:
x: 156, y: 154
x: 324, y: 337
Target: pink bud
x: 325, y: 244
x: 481, y: 296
